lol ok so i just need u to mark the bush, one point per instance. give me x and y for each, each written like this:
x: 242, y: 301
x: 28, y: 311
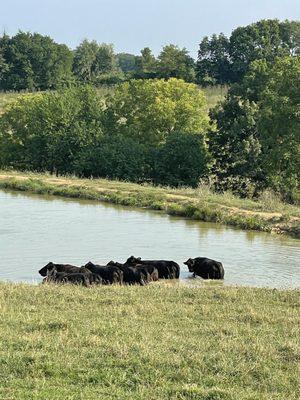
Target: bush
x: 181, y: 161
x: 45, y: 132
x: 114, y: 157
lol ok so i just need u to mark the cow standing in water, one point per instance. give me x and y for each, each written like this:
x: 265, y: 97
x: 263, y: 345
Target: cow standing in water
x: 166, y: 269
x: 205, y: 268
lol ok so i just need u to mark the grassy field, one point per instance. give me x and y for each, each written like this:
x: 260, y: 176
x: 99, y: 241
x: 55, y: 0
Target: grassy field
x: 215, y: 94
x: 268, y: 214
x: 164, y: 341
x: 6, y: 98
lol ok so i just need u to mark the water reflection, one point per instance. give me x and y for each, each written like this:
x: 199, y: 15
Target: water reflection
x: 35, y: 229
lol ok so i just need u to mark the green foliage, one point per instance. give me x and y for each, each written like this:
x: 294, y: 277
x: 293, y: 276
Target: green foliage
x: 182, y: 160
x: 46, y: 131
x: 235, y: 146
x: 84, y: 60
x: 150, y: 110
x: 172, y: 62
x: 256, y: 142
x: 279, y: 126
x: 77, y: 131
x: 176, y: 63
x: 213, y: 65
x: 114, y: 157
x: 96, y: 63
x: 261, y: 40
x: 33, y: 62
x: 226, y: 60
x: 127, y: 62
x: 146, y: 65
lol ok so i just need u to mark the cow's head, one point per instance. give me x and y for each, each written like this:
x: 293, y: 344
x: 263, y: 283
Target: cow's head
x: 89, y: 264
x: 133, y: 260
x: 190, y: 264
x: 46, y: 268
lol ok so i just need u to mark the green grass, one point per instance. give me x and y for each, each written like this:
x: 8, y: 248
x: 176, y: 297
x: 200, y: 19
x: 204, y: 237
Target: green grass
x: 214, y: 94
x: 160, y: 342
x: 201, y: 204
x: 6, y: 98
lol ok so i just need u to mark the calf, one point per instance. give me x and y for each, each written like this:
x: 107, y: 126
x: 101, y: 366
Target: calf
x: 166, y: 269
x: 205, y: 268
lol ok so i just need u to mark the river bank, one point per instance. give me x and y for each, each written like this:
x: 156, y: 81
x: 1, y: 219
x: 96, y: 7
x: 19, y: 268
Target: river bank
x: 200, y: 204
x: 156, y: 342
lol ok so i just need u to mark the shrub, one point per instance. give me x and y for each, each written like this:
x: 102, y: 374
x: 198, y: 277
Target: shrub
x: 181, y: 161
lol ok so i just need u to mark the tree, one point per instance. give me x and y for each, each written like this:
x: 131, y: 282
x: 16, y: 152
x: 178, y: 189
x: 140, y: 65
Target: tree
x: 176, y: 63
x: 34, y: 62
x: 46, y: 131
x: 149, y: 110
x: 182, y: 160
x: 127, y: 62
x: 146, y: 65
x: 256, y: 140
x: 114, y: 157
x: 235, y: 146
x: 290, y: 34
x: 96, y: 63
x: 279, y: 126
x: 84, y: 60
x: 4, y: 67
x: 257, y: 41
x: 222, y: 60
x: 213, y: 65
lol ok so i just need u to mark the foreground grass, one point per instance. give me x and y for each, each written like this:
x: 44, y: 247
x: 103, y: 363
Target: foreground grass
x: 158, y: 342
x: 269, y: 214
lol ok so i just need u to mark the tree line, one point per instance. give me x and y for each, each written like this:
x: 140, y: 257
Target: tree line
x: 146, y: 130
x: 159, y: 131
x: 35, y: 62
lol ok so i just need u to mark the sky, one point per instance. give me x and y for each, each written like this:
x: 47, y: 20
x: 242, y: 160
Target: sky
x: 134, y: 24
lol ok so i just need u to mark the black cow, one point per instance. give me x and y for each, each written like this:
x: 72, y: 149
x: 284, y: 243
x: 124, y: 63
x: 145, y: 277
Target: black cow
x: 151, y: 269
x: 166, y: 269
x: 75, y: 278
x: 109, y: 273
x: 205, y: 268
x: 131, y: 274
x: 67, y: 268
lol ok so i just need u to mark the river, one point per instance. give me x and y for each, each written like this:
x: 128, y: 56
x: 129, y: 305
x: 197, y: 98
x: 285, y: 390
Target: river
x: 37, y: 229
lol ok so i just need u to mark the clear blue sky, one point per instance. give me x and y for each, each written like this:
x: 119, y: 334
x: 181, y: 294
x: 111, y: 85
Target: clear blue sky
x: 133, y: 24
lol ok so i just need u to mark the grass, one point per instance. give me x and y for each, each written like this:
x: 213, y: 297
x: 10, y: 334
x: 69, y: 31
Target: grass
x: 162, y: 341
x: 6, y: 98
x: 214, y: 94
x: 199, y: 204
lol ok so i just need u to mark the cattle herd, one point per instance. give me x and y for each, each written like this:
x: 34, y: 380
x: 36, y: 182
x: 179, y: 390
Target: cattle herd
x: 133, y: 271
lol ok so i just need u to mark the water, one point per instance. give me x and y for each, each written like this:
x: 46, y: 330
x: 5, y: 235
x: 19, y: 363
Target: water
x: 37, y: 229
